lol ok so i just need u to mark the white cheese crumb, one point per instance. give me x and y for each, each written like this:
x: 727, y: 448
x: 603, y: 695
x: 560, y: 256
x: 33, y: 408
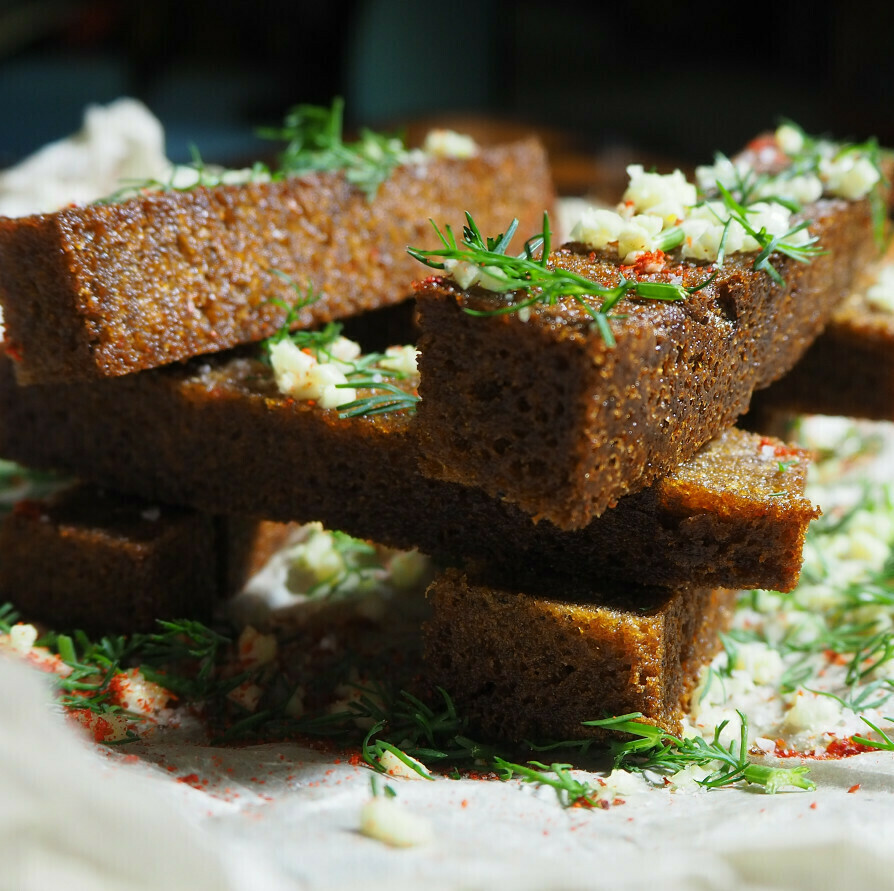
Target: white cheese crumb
x: 449, y: 144
x: 387, y: 821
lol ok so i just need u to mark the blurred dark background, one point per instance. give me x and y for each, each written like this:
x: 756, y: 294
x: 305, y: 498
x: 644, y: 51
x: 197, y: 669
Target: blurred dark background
x: 599, y: 81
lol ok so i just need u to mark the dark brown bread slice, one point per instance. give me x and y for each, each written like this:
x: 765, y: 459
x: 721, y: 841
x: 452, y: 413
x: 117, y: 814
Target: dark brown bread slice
x: 110, y: 289
x: 94, y: 559
x: 848, y: 371
x: 529, y: 665
x: 541, y: 412
x: 216, y: 435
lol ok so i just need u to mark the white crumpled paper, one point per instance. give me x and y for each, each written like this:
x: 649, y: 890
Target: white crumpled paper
x: 171, y: 813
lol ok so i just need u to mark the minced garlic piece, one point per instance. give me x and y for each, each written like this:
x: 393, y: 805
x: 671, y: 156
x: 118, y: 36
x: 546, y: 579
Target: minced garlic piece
x: 760, y: 661
x: 664, y: 195
x: 256, y: 649
x: 811, y: 710
x: 22, y: 638
x: 106, y: 728
x: 636, y: 237
x: 387, y: 821
x: 723, y: 171
x: 401, y: 359
x: 449, y: 144
x: 598, y: 229
x: 805, y: 189
x: 790, y: 139
x: 703, y: 229
x: 302, y: 376
x: 881, y: 294
x: 850, y: 175
x: 132, y: 691
x: 467, y: 274
x: 315, y: 560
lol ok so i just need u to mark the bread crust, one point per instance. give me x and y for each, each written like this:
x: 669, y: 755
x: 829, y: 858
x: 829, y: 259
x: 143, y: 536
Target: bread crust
x: 216, y: 435
x: 522, y: 664
x: 97, y: 560
x: 108, y: 289
x: 543, y: 413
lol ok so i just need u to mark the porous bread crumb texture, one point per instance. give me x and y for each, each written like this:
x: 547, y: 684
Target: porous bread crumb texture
x: 215, y: 435
x: 110, y: 289
x: 846, y: 372
x: 544, y: 414
x: 849, y: 369
x: 526, y: 665
x: 93, y: 559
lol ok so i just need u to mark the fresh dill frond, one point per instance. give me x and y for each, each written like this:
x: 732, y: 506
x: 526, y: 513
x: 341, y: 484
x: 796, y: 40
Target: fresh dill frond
x: 886, y: 743
x: 801, y: 252
x: 314, y: 341
x: 385, y: 397
x: 655, y: 750
x: 315, y: 143
x: 570, y: 791
x: 503, y: 273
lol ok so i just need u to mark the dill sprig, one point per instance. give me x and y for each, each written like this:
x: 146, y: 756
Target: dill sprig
x: 655, y: 750
x: 405, y: 726
x: 886, y: 743
x: 570, y: 791
x: 503, y: 273
x: 386, y: 397
x: 182, y: 657
x: 315, y: 143
x: 801, y: 252
x: 314, y: 341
